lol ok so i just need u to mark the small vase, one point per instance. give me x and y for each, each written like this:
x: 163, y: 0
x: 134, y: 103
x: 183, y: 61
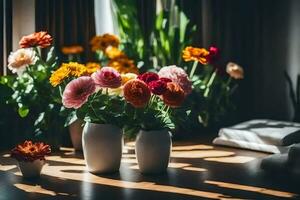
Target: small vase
x: 102, y: 147
x: 31, y: 169
x: 153, y: 150
x: 75, y: 130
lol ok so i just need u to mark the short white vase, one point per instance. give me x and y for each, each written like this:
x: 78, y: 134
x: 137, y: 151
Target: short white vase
x: 102, y: 147
x: 31, y: 169
x: 75, y: 130
x: 153, y: 150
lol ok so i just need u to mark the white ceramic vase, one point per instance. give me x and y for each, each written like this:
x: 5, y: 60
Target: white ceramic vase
x: 31, y: 169
x: 75, y: 130
x: 153, y: 150
x: 102, y: 147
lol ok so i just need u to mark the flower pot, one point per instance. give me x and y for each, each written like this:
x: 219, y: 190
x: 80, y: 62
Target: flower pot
x: 31, y: 169
x: 75, y: 130
x: 102, y: 147
x: 153, y: 150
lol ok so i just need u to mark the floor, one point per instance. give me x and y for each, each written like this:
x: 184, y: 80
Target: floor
x: 197, y: 170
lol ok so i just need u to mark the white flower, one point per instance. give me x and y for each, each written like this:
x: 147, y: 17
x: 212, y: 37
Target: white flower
x: 20, y: 59
x: 235, y: 71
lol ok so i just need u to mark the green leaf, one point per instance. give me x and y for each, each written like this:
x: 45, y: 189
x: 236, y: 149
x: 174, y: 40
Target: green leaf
x: 23, y: 111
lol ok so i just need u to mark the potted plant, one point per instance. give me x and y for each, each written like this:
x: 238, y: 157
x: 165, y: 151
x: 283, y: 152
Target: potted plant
x: 97, y: 101
x: 31, y: 157
x: 59, y: 79
x: 33, y: 97
x: 152, y: 99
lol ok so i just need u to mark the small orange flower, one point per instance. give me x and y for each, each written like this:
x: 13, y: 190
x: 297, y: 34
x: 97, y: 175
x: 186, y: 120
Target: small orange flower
x: 29, y: 151
x: 123, y: 65
x: 41, y: 39
x: 104, y: 41
x: 174, y: 96
x: 195, y: 54
x: 137, y: 93
x: 92, y: 67
x: 74, y: 49
x: 113, y: 52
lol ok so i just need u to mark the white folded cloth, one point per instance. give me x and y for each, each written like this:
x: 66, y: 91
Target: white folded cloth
x: 261, y: 135
x: 250, y: 145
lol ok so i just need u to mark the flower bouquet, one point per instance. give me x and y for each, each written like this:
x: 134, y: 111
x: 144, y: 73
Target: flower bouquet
x: 212, y: 87
x: 98, y: 101
x: 33, y: 96
x: 31, y: 157
x: 152, y: 98
x: 59, y: 79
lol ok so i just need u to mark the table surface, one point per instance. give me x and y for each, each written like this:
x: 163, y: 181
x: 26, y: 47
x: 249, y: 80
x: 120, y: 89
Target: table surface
x: 197, y: 170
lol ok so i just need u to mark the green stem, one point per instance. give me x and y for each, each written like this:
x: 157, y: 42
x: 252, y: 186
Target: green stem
x: 210, y: 82
x: 91, y: 106
x: 193, y: 69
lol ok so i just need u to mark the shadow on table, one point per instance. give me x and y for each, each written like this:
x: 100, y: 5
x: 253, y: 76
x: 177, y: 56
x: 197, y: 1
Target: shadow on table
x: 191, y: 176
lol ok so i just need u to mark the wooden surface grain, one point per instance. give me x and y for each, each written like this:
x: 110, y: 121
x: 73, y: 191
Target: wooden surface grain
x: 197, y: 170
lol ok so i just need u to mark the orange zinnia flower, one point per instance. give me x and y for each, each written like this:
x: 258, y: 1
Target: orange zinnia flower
x: 104, y: 41
x: 137, y: 93
x: 29, y: 151
x: 123, y: 65
x: 195, y: 54
x: 74, y: 49
x: 174, y: 95
x: 41, y: 39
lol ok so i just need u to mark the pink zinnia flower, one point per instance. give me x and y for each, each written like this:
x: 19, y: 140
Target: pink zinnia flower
x: 107, y: 77
x: 77, y: 92
x: 177, y: 75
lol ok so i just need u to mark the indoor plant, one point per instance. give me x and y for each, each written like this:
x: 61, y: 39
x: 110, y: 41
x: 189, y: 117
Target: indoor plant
x: 59, y: 79
x: 31, y: 157
x: 97, y: 101
x: 151, y: 99
x: 33, y: 97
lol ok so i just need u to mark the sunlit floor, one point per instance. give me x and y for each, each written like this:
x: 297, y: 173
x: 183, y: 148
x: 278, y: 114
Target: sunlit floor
x: 195, y: 170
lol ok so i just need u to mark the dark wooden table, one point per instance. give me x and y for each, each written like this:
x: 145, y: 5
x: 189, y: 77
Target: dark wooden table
x: 197, y: 170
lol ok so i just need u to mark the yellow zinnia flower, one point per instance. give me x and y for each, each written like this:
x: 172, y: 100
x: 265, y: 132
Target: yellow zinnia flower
x: 195, y: 54
x: 75, y: 68
x: 113, y: 52
x: 104, y: 41
x: 71, y: 69
x: 123, y: 65
x: 92, y: 67
x: 127, y: 77
x: 59, y: 75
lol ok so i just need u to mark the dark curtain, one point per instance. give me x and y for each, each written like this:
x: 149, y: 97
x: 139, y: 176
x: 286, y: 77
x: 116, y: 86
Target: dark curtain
x: 256, y: 35
x: 70, y: 22
x: 7, y: 6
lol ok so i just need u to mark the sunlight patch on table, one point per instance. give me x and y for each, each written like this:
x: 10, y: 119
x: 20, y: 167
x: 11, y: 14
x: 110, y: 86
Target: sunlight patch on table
x: 201, y: 154
x: 77, y: 161
x: 7, y: 167
x: 192, y: 147
x: 252, y: 189
x: 37, y: 189
x: 232, y: 159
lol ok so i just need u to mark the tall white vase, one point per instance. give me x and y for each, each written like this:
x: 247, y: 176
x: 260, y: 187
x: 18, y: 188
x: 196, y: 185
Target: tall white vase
x: 75, y: 130
x: 153, y: 150
x: 102, y: 147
